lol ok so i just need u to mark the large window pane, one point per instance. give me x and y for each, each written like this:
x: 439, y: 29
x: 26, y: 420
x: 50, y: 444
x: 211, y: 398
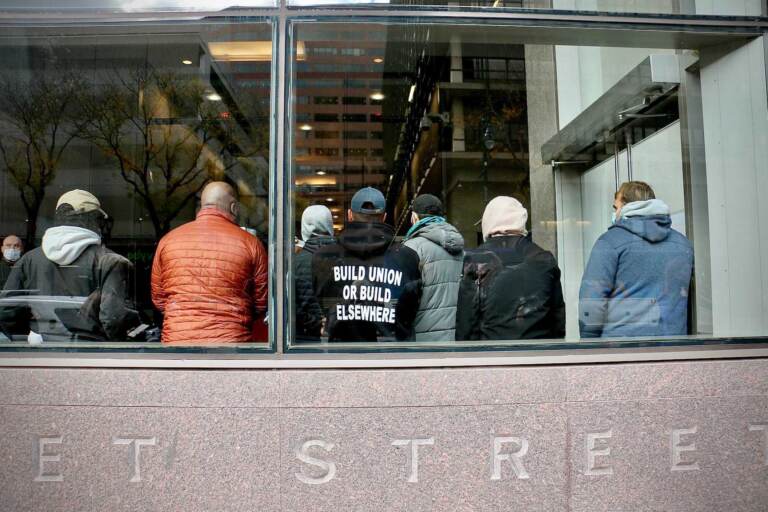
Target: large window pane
x: 468, y: 114
x: 686, y: 7
x: 143, y: 118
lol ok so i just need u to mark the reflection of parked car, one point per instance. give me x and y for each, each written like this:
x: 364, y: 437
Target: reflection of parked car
x: 56, y: 318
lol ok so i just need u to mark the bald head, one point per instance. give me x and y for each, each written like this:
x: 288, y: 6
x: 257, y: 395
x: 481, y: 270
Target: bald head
x: 12, y: 241
x: 221, y: 196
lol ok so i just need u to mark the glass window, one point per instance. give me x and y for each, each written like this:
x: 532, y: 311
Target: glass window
x: 510, y: 192
x: 113, y: 140
x: 684, y: 7
x: 135, y: 5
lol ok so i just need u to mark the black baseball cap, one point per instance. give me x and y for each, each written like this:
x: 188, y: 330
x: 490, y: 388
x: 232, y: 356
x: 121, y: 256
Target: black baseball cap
x: 427, y: 204
x: 368, y: 200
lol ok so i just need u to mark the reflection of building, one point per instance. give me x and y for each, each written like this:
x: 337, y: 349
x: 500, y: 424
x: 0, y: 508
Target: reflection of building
x: 172, y: 111
x: 338, y: 125
x: 392, y: 108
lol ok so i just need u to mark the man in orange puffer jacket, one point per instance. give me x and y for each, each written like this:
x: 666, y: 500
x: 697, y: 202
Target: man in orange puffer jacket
x: 209, y: 277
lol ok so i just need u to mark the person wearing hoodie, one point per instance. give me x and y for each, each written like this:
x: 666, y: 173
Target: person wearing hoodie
x: 637, y: 279
x: 368, y: 286
x: 440, y: 247
x: 316, y: 232
x: 12, y: 249
x: 73, y: 262
x: 511, y: 288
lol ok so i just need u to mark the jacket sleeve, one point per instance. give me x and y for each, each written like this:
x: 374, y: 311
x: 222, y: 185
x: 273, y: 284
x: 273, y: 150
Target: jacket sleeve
x: 260, y: 279
x: 159, y: 295
x: 117, y: 313
x: 597, y: 284
x: 309, y: 315
x: 408, y: 304
x: 468, y: 305
x: 556, y: 319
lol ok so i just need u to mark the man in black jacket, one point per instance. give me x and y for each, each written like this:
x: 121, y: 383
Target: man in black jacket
x: 87, y: 282
x: 368, y: 287
x: 511, y: 288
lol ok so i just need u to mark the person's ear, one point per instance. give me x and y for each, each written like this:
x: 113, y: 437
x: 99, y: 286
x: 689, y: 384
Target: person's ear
x: 384, y: 218
x: 349, y: 216
x: 414, y: 218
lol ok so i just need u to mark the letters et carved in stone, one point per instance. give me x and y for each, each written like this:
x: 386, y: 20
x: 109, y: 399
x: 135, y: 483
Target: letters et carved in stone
x: 45, y: 455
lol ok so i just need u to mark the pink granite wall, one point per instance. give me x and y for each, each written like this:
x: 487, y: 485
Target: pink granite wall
x: 686, y: 436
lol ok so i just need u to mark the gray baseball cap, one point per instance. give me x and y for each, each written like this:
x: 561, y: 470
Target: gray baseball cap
x: 368, y: 200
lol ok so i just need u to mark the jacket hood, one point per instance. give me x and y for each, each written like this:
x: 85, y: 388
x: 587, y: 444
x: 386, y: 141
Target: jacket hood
x: 442, y: 234
x: 316, y: 242
x: 366, y: 238
x: 64, y: 244
x: 316, y: 220
x: 649, y: 220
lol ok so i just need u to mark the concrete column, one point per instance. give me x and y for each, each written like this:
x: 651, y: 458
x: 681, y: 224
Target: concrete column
x: 735, y: 113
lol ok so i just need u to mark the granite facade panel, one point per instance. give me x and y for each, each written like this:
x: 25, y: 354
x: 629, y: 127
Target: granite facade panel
x: 686, y: 436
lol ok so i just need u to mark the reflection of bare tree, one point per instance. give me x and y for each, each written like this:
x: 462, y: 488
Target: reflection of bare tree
x: 167, y: 138
x: 40, y: 118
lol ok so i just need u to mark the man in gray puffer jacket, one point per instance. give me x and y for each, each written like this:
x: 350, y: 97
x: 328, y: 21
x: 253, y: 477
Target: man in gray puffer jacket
x: 440, y: 247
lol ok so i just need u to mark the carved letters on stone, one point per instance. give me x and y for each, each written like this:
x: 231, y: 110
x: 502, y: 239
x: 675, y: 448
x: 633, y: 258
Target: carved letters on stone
x: 762, y: 427
x: 135, y: 443
x: 413, y: 477
x: 593, y: 469
x: 328, y: 468
x: 44, y: 456
x: 678, y: 446
x: 509, y: 449
x: 513, y: 457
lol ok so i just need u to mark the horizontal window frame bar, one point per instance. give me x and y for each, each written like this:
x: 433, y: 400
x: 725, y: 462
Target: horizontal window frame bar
x: 24, y: 17
x: 381, y: 361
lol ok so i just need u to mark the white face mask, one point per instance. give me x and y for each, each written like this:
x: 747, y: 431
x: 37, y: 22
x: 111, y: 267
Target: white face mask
x: 11, y: 254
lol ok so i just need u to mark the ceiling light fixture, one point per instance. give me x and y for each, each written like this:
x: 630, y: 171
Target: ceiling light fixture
x: 330, y: 199
x: 378, y: 60
x: 377, y: 96
x: 411, y: 93
x: 320, y: 173
x: 305, y: 128
x: 186, y: 62
x: 213, y: 97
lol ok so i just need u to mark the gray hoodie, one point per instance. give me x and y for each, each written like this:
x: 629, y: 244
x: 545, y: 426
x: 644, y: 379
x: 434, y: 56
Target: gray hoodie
x: 440, y: 247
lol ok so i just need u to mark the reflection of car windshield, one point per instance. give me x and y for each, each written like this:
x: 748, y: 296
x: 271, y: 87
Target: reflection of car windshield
x: 56, y: 318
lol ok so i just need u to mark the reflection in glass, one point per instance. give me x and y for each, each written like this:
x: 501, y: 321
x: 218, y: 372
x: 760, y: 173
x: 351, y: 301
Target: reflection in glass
x: 143, y: 123
x: 468, y: 114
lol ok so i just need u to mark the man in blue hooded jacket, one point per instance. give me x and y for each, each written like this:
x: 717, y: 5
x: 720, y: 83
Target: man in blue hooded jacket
x: 638, y: 276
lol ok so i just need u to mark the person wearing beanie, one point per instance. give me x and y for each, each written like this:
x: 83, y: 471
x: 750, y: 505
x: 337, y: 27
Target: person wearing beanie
x: 510, y: 288
x: 316, y: 232
x: 440, y: 247
x: 637, y: 279
x: 73, y: 262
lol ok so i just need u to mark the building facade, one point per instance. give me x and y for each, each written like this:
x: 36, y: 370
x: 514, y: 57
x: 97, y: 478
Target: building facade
x: 555, y: 103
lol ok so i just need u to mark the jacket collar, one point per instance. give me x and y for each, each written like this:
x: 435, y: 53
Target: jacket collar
x: 211, y: 212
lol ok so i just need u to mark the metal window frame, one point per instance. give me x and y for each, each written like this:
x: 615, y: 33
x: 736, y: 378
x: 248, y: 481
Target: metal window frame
x: 283, y: 17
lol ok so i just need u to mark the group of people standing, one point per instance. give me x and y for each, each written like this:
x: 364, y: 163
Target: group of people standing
x: 362, y: 285
x: 365, y: 286
x: 209, y: 276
